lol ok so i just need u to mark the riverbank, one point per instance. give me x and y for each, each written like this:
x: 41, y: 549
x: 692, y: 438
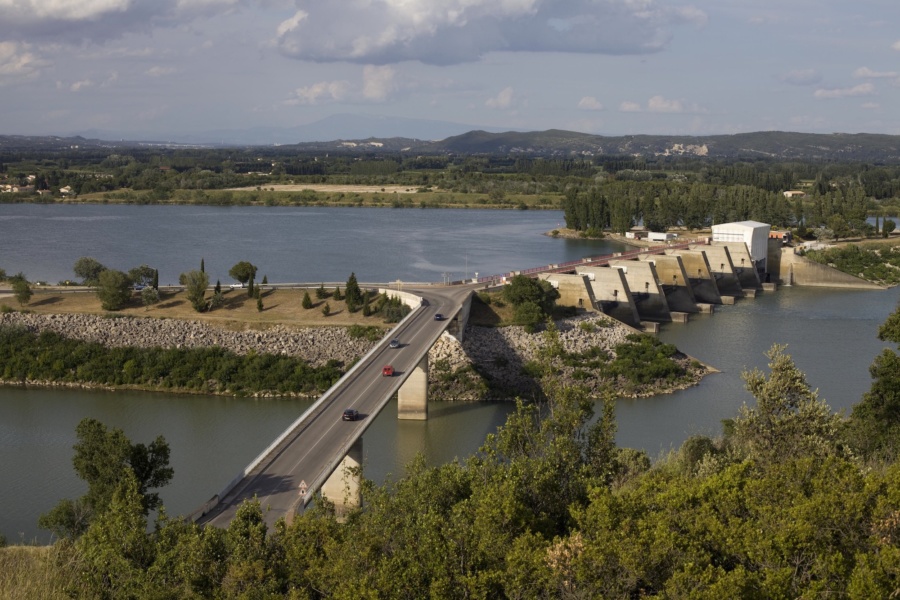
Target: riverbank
x: 493, y: 363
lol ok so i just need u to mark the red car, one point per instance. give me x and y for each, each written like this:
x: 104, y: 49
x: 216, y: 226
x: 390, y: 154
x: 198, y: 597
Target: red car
x: 387, y: 371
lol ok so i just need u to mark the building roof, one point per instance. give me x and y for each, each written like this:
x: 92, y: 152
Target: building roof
x: 745, y: 224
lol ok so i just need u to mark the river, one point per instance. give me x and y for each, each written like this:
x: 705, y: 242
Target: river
x: 830, y: 334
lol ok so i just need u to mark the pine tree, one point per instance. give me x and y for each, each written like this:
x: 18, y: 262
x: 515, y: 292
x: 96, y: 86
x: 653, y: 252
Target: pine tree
x: 326, y: 310
x: 307, y: 301
x: 320, y: 292
x: 265, y: 280
x: 337, y: 293
x: 259, y: 303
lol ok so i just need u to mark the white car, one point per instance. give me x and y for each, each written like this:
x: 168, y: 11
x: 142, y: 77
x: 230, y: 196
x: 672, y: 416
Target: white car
x: 236, y: 286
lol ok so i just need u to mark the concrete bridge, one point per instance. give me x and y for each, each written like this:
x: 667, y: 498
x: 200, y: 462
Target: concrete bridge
x: 320, y: 450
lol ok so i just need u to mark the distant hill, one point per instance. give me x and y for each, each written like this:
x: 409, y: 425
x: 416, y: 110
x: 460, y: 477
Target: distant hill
x: 779, y: 145
x: 765, y: 144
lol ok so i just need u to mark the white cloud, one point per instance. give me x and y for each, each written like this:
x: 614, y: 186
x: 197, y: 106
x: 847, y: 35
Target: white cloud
x: 18, y: 62
x: 867, y: 73
x: 79, y: 85
x: 159, y: 71
x: 663, y: 105
x: 589, y: 103
x: 378, y: 82
x: 801, y: 77
x: 863, y: 89
x: 99, y: 20
x: 896, y: 46
x: 328, y: 91
x: 457, y: 31
x: 503, y: 100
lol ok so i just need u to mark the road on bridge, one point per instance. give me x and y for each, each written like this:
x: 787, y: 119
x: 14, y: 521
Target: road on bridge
x: 317, y: 442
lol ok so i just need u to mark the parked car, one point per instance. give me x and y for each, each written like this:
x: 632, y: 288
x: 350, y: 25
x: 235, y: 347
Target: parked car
x: 395, y: 343
x: 236, y: 286
x: 351, y: 414
x: 387, y: 371
x: 438, y: 317
x: 138, y: 287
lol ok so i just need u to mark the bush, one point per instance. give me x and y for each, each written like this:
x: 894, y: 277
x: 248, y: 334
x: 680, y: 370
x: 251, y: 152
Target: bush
x: 365, y: 332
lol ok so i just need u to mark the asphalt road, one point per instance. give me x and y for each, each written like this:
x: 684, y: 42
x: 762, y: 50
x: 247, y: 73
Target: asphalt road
x: 317, y: 442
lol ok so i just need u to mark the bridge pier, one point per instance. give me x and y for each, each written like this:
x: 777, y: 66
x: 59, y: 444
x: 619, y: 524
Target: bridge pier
x: 412, y: 399
x: 342, y: 486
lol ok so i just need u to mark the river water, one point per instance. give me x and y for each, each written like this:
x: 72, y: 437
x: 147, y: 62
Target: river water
x: 830, y: 334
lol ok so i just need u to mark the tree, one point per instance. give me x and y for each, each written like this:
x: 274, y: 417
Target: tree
x: 195, y: 283
x: 88, y: 269
x: 789, y: 419
x: 103, y: 459
x: 888, y: 227
x: 307, y: 301
x: 113, y: 289
x: 142, y: 275
x: 116, y: 550
x: 259, y: 303
x: 21, y: 288
x: 251, y: 290
x: 218, y: 288
x: 337, y: 293
x: 243, y: 272
x: 156, y: 279
x: 2, y: 275
x: 326, y: 310
x: 149, y: 296
x: 352, y: 293
x: 321, y: 294
x: 522, y: 289
x: 202, y: 266
x: 265, y: 280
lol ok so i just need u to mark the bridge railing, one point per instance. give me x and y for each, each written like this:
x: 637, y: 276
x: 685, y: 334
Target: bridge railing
x: 310, y: 414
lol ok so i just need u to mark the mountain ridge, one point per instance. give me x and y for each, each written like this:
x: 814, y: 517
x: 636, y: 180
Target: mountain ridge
x: 556, y: 143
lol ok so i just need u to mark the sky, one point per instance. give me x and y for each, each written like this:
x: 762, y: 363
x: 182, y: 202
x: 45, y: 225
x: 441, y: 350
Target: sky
x: 608, y: 67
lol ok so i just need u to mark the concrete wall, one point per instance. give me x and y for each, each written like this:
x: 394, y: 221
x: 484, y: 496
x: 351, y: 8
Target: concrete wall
x: 696, y: 266
x: 343, y: 486
x: 649, y: 297
x: 612, y: 294
x: 722, y: 270
x: 799, y: 270
x: 744, y: 266
x: 674, y: 281
x: 412, y: 397
x: 574, y: 290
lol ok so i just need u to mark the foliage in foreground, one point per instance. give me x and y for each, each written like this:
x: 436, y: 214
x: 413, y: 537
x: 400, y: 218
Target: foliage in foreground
x: 778, y: 507
x: 26, y: 356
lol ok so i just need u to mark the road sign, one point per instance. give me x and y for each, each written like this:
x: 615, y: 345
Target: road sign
x: 303, y: 487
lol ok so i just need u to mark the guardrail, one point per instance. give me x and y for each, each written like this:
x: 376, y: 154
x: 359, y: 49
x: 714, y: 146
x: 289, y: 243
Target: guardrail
x: 310, y: 414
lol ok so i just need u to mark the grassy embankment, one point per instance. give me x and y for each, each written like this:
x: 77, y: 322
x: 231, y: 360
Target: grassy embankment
x: 330, y: 195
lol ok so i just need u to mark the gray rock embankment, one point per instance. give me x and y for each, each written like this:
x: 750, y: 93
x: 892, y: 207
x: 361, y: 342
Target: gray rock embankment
x: 493, y: 363
x: 317, y: 345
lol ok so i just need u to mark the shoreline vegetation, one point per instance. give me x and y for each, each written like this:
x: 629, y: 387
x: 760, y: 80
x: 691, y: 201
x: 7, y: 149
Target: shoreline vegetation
x: 498, y: 360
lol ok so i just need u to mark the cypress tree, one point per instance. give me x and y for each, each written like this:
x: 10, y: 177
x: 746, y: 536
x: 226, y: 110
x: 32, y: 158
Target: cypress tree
x: 156, y: 279
x: 202, y: 266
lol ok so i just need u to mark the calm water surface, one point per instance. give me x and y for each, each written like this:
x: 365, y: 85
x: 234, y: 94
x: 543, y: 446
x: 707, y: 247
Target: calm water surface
x: 830, y: 334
